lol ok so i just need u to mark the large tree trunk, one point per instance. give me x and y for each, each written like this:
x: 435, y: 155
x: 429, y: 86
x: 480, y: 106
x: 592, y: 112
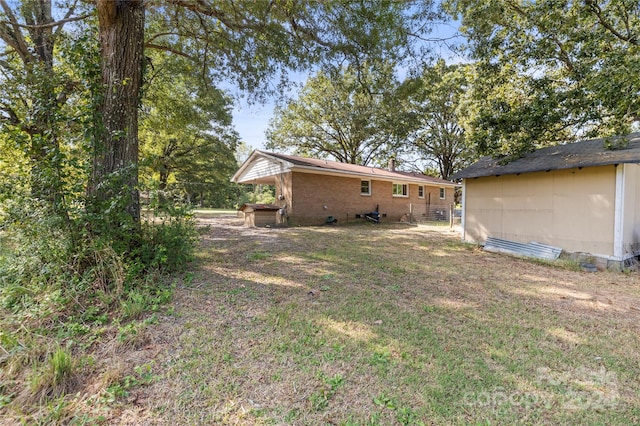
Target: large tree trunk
x: 115, y: 163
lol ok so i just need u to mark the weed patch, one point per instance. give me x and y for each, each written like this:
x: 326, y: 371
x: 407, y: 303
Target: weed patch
x: 68, y: 295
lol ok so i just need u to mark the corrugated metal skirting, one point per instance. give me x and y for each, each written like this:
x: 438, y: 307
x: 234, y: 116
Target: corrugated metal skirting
x: 532, y: 249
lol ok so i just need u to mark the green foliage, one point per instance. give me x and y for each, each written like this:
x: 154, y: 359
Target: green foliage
x: 615, y: 143
x: 255, y: 256
x: 63, y: 283
x: 320, y: 398
x: 133, y: 306
x: 56, y: 377
x: 385, y: 401
x: 121, y: 388
x: 404, y: 415
x: 61, y: 365
x: 167, y: 246
x: 186, y: 136
x: 352, y: 116
x: 551, y: 71
x: 261, y: 194
x: 256, y: 41
x: 436, y: 101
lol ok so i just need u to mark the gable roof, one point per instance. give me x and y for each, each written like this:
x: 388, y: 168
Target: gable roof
x: 587, y: 153
x: 261, y: 165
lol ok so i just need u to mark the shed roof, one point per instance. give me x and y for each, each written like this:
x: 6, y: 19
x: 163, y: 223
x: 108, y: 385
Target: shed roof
x: 588, y: 153
x: 314, y: 165
x: 259, y: 207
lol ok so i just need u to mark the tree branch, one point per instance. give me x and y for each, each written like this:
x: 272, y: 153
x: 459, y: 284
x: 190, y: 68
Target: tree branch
x: 65, y: 20
x: 199, y: 7
x: 166, y: 33
x: 47, y: 25
x: 12, y: 116
x: 597, y: 10
x: 12, y: 35
x: 563, y: 56
x: 167, y: 49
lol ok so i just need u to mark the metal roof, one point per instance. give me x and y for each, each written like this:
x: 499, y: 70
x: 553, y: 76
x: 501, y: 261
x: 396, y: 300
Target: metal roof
x: 588, y: 153
x: 255, y: 207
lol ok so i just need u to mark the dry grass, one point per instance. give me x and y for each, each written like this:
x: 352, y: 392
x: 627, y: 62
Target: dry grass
x: 387, y: 325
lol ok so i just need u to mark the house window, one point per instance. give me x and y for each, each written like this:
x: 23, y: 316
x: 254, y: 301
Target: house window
x: 365, y: 187
x: 443, y: 193
x: 400, y: 190
x: 420, y: 191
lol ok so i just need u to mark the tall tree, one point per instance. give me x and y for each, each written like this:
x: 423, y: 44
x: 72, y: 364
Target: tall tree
x: 575, y: 65
x: 250, y: 42
x: 186, y: 134
x: 33, y: 90
x: 436, y: 99
x: 115, y: 159
x: 352, y: 117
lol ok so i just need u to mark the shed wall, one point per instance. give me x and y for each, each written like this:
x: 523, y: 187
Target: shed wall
x: 572, y: 209
x: 264, y: 217
x: 631, y: 204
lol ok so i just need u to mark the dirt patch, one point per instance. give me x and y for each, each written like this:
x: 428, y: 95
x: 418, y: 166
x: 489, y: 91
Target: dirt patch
x: 233, y: 228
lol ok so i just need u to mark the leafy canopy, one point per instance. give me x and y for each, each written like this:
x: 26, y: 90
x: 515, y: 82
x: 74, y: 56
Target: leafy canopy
x: 551, y: 70
x: 352, y: 117
x: 436, y: 100
x: 186, y: 133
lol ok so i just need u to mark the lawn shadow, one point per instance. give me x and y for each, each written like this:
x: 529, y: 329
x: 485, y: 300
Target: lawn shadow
x: 394, y: 325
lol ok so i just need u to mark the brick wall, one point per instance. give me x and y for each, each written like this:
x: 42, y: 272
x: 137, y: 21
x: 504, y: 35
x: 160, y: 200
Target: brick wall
x: 310, y: 198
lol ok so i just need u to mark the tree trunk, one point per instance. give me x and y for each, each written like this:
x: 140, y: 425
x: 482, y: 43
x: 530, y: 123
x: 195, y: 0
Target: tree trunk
x: 164, y: 177
x: 115, y: 163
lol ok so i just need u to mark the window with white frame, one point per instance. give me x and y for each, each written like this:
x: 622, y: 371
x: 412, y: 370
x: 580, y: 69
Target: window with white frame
x: 400, y: 190
x: 443, y: 193
x: 420, y: 191
x: 365, y: 187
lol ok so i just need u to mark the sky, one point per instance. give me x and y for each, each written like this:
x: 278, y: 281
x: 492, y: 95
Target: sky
x: 251, y: 121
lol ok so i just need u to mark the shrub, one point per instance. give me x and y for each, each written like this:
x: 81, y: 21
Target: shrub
x: 167, y: 246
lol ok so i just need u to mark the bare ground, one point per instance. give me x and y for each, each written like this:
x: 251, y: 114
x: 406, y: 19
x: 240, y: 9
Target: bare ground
x: 387, y: 324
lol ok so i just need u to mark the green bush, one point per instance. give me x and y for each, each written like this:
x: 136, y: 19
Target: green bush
x: 167, y: 246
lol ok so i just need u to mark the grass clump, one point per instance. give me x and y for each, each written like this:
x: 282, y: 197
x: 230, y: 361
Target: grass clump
x: 56, y: 377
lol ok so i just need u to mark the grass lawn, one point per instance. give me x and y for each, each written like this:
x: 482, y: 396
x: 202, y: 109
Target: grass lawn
x: 205, y: 213
x: 387, y: 324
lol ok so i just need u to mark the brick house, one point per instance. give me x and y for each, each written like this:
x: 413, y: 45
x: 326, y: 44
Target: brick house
x: 309, y: 191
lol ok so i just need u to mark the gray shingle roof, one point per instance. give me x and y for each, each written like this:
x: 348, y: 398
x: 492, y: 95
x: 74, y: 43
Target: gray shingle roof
x: 587, y: 153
